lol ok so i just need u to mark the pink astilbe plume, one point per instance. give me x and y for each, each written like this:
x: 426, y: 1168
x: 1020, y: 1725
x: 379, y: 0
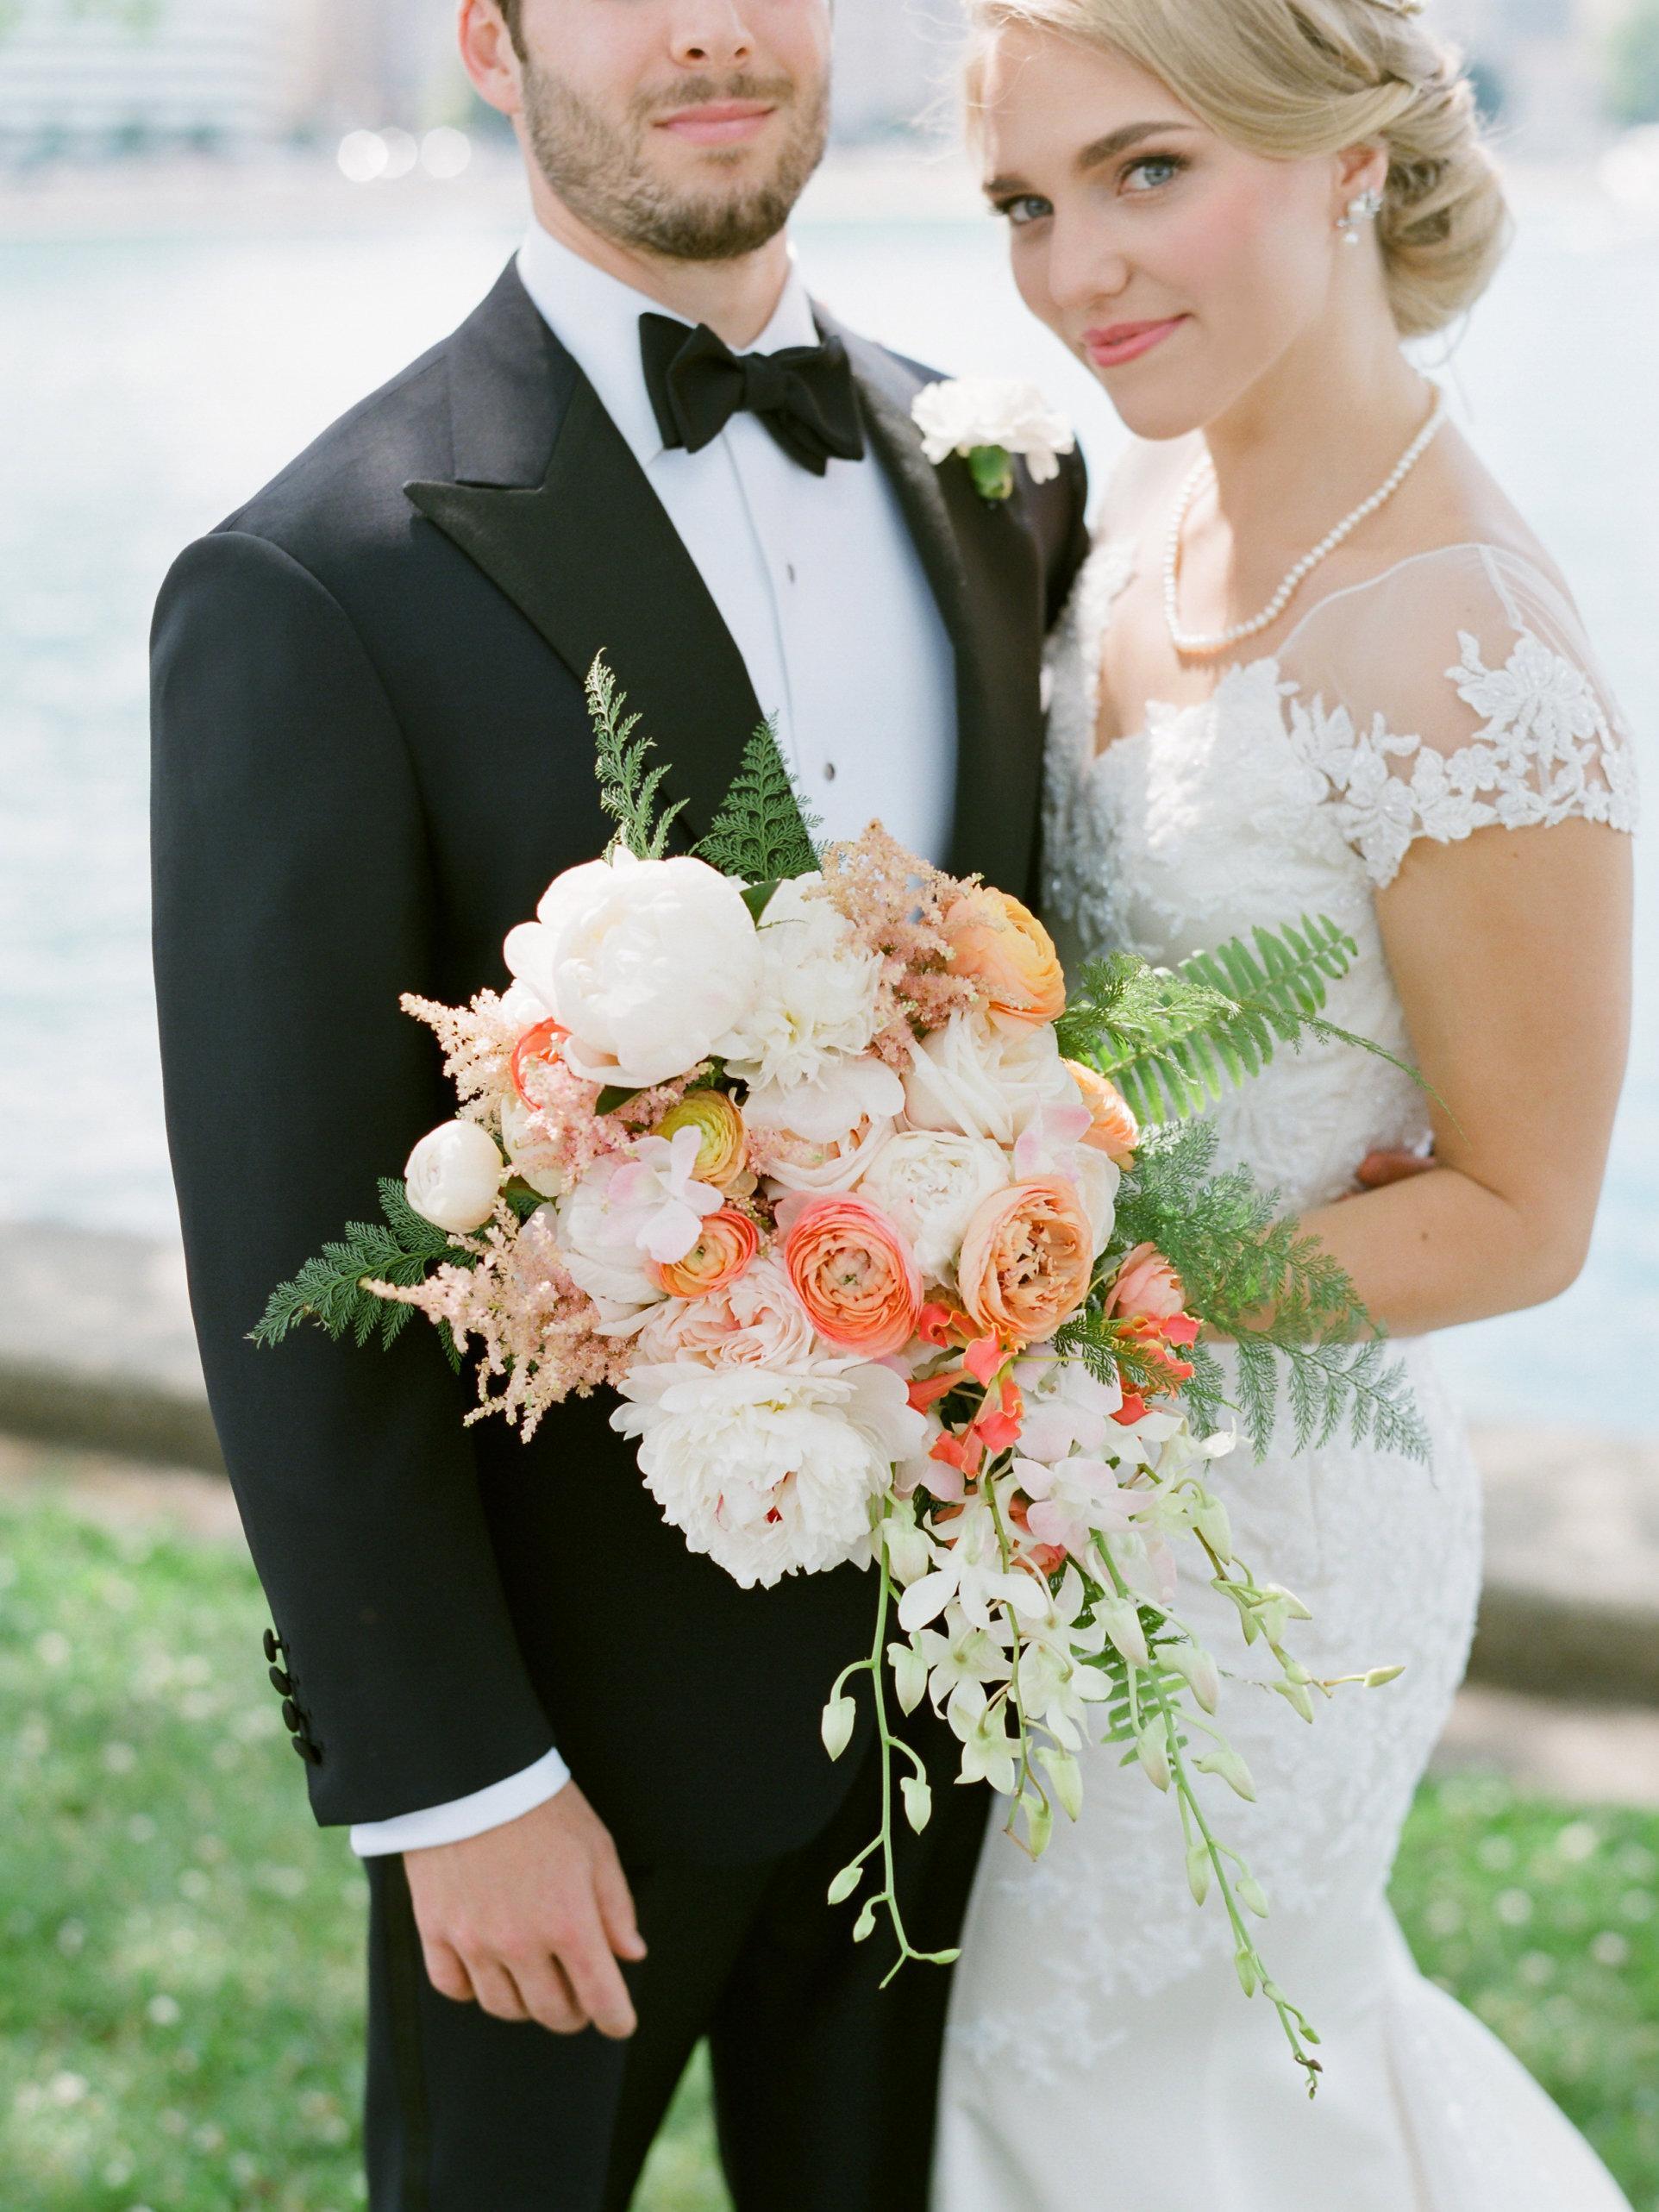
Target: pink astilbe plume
x: 478, y: 1044
x: 535, y: 1329
x: 896, y: 903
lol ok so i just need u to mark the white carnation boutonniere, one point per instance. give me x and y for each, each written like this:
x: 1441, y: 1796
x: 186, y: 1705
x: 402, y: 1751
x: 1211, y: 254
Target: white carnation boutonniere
x: 989, y: 419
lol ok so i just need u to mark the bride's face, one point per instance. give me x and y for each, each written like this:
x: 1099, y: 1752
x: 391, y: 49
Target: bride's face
x: 1180, y: 267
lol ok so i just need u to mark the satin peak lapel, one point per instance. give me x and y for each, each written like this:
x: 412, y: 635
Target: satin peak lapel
x: 986, y: 576
x: 589, y: 556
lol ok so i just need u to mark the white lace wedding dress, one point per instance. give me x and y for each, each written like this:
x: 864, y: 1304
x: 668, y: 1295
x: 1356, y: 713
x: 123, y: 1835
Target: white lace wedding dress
x: 1101, y: 2057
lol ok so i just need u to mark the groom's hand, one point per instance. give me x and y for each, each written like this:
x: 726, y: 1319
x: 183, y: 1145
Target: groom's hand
x: 530, y: 1919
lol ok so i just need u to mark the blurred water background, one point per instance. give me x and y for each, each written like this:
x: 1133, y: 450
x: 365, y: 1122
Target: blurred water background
x: 172, y: 331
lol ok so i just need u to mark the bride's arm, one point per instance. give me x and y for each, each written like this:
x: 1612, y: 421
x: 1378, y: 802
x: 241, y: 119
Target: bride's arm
x: 1510, y: 951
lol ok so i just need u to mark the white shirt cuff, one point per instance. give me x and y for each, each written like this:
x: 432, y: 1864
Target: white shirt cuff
x: 465, y: 1816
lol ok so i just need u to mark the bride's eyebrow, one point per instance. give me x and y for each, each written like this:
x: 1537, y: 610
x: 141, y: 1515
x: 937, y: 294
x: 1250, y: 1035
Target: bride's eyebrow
x: 1098, y: 151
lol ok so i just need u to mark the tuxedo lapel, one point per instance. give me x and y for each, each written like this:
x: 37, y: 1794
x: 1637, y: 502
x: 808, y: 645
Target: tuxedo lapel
x: 986, y: 576
x: 550, y: 503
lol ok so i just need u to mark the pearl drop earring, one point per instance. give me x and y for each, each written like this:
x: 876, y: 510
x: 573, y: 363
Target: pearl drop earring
x: 1364, y: 207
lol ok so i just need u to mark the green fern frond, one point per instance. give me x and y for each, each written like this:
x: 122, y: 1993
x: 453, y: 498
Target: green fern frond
x: 328, y: 1289
x: 1174, y: 1040
x: 1321, y: 1356
x: 627, y: 791
x: 764, y: 830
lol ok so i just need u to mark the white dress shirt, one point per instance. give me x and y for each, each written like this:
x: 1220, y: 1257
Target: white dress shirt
x: 819, y: 582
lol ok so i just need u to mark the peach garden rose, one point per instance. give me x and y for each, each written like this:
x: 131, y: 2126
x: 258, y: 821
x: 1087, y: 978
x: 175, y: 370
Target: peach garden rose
x: 1027, y: 1260
x: 1004, y: 946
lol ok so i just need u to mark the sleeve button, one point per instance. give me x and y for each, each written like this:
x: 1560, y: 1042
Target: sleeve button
x: 274, y: 1644
x: 291, y: 1716
x: 281, y: 1682
x: 306, y: 1750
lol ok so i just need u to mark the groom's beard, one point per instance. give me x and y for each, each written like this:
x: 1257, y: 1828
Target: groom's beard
x: 599, y: 169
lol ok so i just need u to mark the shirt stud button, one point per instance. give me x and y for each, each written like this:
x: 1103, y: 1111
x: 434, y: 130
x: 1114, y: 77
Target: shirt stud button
x: 828, y: 772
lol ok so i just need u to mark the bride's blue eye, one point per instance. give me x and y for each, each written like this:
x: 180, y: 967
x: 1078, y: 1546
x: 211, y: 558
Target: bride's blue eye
x: 1025, y: 207
x: 1154, y: 170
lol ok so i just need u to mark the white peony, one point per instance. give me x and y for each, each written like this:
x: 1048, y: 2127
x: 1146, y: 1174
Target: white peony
x: 453, y: 1174
x: 769, y: 1473
x: 645, y: 963
x: 834, y: 1123
x: 968, y: 412
x: 929, y: 1184
x: 628, y: 1210
x: 816, y: 998
x: 984, y: 1078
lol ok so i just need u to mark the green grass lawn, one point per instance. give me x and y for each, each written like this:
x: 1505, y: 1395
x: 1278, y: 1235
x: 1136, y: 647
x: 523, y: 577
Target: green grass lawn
x: 180, y: 1974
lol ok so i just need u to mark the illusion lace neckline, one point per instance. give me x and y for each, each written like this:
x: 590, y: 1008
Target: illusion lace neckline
x: 1113, y: 563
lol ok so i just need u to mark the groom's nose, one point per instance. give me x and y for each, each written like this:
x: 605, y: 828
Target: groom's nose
x: 712, y: 34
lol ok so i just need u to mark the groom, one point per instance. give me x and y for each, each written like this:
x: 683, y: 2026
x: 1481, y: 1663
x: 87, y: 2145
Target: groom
x: 583, y: 1766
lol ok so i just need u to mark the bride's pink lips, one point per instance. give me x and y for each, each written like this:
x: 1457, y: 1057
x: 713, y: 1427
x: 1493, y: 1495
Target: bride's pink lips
x: 1127, y: 342
x: 726, y: 123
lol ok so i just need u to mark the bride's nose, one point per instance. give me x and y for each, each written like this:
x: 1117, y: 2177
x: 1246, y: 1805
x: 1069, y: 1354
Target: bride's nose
x: 1083, y: 266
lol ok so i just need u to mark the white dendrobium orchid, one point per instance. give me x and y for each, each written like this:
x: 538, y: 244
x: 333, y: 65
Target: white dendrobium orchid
x: 970, y: 1575
x: 1067, y: 1408
x: 973, y: 415
x: 815, y: 1001
x: 646, y: 963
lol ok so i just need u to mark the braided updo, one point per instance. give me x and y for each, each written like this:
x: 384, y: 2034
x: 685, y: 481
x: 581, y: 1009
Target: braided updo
x: 1293, y: 78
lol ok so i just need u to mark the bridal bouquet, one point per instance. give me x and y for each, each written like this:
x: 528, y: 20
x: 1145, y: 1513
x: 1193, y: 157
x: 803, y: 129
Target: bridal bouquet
x: 894, y: 1258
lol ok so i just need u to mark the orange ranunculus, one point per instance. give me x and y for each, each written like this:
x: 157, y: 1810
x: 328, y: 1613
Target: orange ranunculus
x: 723, y: 1152
x: 1026, y: 1259
x: 1112, y: 1129
x: 1004, y: 946
x: 1146, y: 1286
x: 854, y: 1274
x: 539, y: 1043
x: 727, y: 1242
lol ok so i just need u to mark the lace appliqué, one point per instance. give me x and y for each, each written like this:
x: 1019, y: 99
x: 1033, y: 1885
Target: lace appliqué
x: 1547, y: 752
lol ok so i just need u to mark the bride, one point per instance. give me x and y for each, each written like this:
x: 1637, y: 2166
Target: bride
x: 1316, y: 664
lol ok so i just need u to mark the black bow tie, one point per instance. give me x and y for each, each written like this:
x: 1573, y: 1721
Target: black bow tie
x: 804, y: 395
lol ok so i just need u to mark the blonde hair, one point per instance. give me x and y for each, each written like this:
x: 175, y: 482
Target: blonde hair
x: 1292, y: 79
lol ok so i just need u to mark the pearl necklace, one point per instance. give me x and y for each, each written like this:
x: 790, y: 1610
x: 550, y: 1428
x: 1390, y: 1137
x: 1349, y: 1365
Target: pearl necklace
x: 1194, y: 647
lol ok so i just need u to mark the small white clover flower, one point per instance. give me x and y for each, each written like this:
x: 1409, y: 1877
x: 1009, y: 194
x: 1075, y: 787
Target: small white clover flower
x: 987, y: 419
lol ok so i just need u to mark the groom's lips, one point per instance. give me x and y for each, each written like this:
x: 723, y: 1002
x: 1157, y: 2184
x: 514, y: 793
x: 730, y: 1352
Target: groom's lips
x: 724, y: 123
x: 1127, y: 342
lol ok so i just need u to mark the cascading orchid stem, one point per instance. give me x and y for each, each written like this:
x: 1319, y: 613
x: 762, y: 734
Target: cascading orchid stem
x: 1299, y: 2030
x: 1026, y: 1774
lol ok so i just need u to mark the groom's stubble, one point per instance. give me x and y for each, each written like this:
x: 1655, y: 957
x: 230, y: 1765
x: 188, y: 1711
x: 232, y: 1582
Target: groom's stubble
x: 601, y: 171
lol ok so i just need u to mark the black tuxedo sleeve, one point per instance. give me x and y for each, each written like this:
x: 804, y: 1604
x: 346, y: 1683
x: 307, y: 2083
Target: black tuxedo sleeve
x: 293, y: 902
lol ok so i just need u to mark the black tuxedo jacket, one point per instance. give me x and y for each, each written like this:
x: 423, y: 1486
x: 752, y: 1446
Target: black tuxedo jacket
x: 371, y: 755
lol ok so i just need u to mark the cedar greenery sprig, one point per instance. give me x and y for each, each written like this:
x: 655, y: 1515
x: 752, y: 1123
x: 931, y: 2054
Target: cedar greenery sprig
x: 328, y: 1289
x: 764, y: 830
x: 1173, y: 1039
x: 627, y: 791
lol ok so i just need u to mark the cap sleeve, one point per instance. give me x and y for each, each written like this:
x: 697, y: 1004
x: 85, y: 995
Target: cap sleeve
x: 1456, y: 692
